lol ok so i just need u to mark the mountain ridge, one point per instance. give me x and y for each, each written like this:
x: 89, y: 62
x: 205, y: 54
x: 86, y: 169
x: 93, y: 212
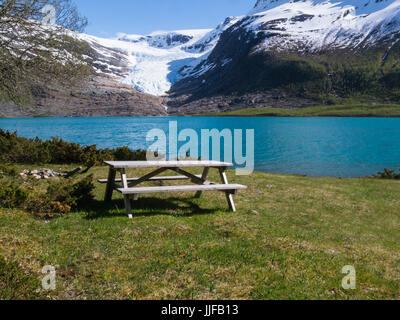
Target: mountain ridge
x: 298, y: 53
x: 281, y: 53
x: 310, y: 25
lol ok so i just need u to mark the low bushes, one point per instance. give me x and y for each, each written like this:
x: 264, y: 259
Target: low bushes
x: 388, y: 174
x: 61, y: 197
x: 12, y: 195
x: 15, y: 149
x: 126, y: 154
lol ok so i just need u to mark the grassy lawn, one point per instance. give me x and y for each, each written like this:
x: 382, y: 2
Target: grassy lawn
x: 346, y: 110
x: 178, y: 247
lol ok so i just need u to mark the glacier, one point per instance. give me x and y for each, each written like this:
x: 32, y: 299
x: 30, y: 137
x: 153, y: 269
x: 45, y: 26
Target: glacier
x: 157, y: 61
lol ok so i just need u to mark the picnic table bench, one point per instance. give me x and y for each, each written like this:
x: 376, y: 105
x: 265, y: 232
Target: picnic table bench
x: 129, y: 186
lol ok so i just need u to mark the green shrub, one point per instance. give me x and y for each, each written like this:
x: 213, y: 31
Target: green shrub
x: 126, y: 154
x: 388, y: 174
x: 61, y: 151
x: 12, y: 195
x: 61, y: 198
x: 392, y: 79
x: 73, y: 194
x: 8, y: 171
x: 14, y: 149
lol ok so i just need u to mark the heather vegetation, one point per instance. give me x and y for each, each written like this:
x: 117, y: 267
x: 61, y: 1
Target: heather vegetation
x: 60, y: 196
x: 15, y: 149
x: 327, y: 78
x: 388, y: 174
x: 68, y: 192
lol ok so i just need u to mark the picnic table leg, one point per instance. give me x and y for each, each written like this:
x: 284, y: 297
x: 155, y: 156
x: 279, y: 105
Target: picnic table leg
x: 204, y: 178
x: 128, y: 206
x: 110, y: 184
x: 127, y: 200
x: 229, y: 196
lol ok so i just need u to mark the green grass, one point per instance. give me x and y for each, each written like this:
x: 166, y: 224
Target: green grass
x: 350, y: 110
x: 178, y: 247
x: 16, y: 283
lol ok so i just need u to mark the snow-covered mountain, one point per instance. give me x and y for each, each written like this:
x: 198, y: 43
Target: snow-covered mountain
x: 313, y: 26
x: 318, y: 24
x: 152, y: 63
x: 360, y: 6
x: 197, y: 63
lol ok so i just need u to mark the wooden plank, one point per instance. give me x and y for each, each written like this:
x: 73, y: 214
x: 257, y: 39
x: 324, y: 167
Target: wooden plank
x: 128, y: 206
x: 192, y: 177
x: 165, y: 178
x: 124, y: 179
x: 110, y: 184
x: 229, y: 196
x: 204, y: 178
x: 212, y: 187
x: 166, y: 164
x: 147, y: 177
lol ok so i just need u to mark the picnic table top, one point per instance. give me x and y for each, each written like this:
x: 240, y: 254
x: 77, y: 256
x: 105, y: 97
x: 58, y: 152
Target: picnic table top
x: 166, y: 164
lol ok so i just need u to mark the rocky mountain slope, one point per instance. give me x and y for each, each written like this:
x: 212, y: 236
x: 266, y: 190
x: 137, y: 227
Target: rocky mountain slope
x: 103, y: 94
x: 297, y: 53
x: 282, y: 53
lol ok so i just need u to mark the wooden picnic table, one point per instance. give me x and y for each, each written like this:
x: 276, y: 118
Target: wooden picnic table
x: 129, y: 186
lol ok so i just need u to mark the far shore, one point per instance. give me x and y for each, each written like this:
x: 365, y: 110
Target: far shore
x: 342, y: 111
x: 339, y: 111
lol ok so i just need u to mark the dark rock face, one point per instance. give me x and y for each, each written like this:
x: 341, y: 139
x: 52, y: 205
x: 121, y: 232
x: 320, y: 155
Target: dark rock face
x: 220, y: 103
x: 107, y: 61
x: 206, y: 92
x: 173, y: 39
x: 232, y: 46
x: 162, y: 40
x: 302, y: 18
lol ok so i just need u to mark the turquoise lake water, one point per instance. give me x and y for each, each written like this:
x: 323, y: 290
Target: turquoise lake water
x: 341, y: 147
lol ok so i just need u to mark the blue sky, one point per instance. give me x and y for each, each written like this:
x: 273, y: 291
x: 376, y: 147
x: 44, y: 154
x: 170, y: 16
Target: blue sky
x: 107, y: 17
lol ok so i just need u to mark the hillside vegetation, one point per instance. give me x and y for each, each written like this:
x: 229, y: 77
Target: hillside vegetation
x: 345, y: 110
x: 289, y: 80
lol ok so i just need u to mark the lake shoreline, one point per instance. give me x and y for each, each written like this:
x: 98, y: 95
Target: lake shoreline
x: 316, y: 147
x: 332, y: 111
